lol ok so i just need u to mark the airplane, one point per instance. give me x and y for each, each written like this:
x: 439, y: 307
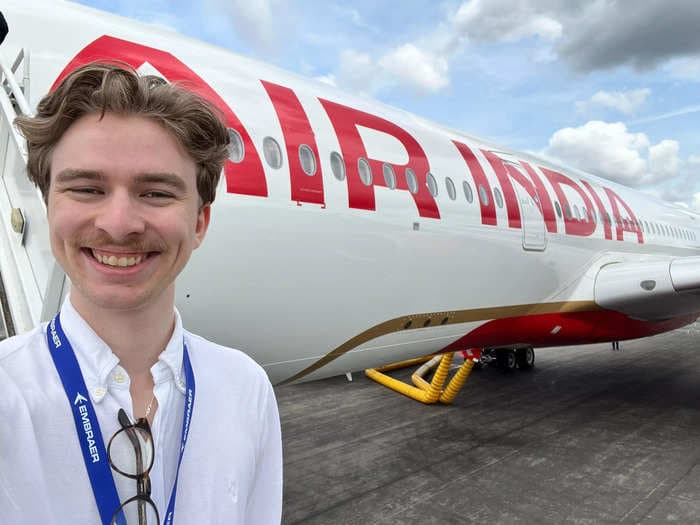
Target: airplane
x: 347, y: 234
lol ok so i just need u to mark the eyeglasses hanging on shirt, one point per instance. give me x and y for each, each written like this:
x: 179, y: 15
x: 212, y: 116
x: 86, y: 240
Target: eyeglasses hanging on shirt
x: 130, y: 452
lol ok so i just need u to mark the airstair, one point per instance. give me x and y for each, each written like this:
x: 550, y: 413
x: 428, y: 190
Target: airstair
x: 31, y: 281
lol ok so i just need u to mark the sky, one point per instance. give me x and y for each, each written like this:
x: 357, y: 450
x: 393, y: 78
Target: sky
x: 608, y: 86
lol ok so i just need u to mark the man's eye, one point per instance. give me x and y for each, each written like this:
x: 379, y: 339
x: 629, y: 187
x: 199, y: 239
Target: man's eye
x: 157, y: 195
x: 85, y: 191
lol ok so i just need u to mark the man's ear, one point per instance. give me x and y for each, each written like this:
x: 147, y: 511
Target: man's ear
x: 202, y: 224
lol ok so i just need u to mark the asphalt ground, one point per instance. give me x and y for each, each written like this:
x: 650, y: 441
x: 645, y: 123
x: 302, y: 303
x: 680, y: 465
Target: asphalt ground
x: 588, y: 436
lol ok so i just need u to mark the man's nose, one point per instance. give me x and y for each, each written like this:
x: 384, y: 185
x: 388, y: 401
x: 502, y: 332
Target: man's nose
x: 120, y: 216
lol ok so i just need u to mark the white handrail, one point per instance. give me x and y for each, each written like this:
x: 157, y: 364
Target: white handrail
x: 14, y: 86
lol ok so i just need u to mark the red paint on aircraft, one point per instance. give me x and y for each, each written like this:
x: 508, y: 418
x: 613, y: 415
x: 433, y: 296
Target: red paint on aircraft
x: 574, y: 328
x: 572, y: 224
x: 345, y: 121
x: 623, y: 225
x: 488, y: 208
x: 601, y: 208
x: 297, y: 131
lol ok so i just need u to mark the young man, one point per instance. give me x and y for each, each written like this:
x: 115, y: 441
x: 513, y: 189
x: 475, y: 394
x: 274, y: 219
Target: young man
x: 128, y: 167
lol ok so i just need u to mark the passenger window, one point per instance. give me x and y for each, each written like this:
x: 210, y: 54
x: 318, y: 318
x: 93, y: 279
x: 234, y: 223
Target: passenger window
x: 567, y: 210
x: 365, y: 171
x: 450, y: 186
x: 497, y: 197
x: 337, y: 165
x: 432, y: 184
x: 307, y: 160
x: 389, y: 176
x: 558, y: 208
x: 236, y: 149
x: 468, y: 192
x: 411, y: 181
x: 272, y: 153
x: 577, y: 215
x: 483, y: 195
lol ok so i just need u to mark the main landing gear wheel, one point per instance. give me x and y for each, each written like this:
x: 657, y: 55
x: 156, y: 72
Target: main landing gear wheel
x: 506, y: 359
x: 525, y: 357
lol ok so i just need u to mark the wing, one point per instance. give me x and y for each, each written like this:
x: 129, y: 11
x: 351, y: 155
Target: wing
x: 650, y: 290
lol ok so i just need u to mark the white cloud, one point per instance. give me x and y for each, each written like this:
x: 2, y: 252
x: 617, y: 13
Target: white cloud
x: 328, y: 79
x: 357, y: 70
x: 626, y: 102
x: 611, y: 151
x: 253, y: 20
x: 504, y: 20
x: 663, y: 159
x: 416, y: 67
x: 407, y: 64
x: 685, y: 68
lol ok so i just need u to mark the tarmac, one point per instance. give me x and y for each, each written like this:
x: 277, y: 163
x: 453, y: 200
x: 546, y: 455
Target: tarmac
x: 589, y: 436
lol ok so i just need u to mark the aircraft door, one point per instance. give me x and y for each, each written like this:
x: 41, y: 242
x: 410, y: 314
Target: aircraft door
x: 532, y: 219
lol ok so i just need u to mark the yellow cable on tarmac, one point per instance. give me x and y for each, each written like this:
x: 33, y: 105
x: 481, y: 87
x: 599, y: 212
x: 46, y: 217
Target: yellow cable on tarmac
x: 425, y: 392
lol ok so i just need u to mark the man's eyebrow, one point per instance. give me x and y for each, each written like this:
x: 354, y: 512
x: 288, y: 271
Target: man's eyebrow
x: 169, y: 179
x: 71, y: 174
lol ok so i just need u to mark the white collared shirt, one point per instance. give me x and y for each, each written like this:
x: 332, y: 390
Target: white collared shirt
x: 231, y: 470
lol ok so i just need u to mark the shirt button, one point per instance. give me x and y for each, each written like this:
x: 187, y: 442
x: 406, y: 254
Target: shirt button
x: 119, y: 377
x: 98, y: 393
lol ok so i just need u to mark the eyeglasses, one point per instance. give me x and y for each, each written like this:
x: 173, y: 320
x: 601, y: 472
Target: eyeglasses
x: 131, y: 452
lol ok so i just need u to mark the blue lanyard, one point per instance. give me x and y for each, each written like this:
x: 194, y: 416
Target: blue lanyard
x: 88, y: 428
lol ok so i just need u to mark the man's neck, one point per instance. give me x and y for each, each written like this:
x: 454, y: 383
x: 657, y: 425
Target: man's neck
x: 136, y: 337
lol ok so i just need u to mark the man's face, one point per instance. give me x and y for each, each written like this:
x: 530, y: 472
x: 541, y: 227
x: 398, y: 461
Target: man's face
x: 124, y: 212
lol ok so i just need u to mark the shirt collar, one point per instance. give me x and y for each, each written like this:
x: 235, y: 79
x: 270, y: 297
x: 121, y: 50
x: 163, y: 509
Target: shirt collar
x: 97, y: 361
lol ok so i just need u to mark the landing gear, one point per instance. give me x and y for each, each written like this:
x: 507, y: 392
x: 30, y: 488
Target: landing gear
x: 525, y: 358
x: 508, y: 359
x: 505, y: 359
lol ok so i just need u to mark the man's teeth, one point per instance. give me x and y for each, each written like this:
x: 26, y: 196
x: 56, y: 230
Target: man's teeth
x: 113, y: 260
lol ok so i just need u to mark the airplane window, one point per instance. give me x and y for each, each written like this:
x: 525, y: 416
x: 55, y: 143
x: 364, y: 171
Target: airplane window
x: 468, y: 192
x: 236, y: 149
x: 365, y: 171
x: 584, y: 213
x: 646, y: 226
x: 567, y: 210
x: 411, y: 181
x: 497, y: 197
x: 272, y: 153
x: 389, y: 176
x: 307, y: 159
x: 483, y: 195
x: 558, y: 208
x: 432, y: 184
x: 577, y: 215
x: 607, y: 218
x: 337, y: 165
x: 625, y: 223
x: 451, y: 191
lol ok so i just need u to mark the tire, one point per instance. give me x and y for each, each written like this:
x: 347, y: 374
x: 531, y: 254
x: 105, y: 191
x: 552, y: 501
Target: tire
x: 505, y: 359
x: 525, y: 358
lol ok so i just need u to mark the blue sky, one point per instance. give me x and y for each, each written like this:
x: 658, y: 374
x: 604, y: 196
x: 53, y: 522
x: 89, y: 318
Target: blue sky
x: 611, y: 87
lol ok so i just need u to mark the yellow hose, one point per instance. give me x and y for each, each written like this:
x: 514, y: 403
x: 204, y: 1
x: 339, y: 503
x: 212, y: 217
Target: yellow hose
x: 424, y: 396
x: 425, y: 392
x: 457, y: 382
